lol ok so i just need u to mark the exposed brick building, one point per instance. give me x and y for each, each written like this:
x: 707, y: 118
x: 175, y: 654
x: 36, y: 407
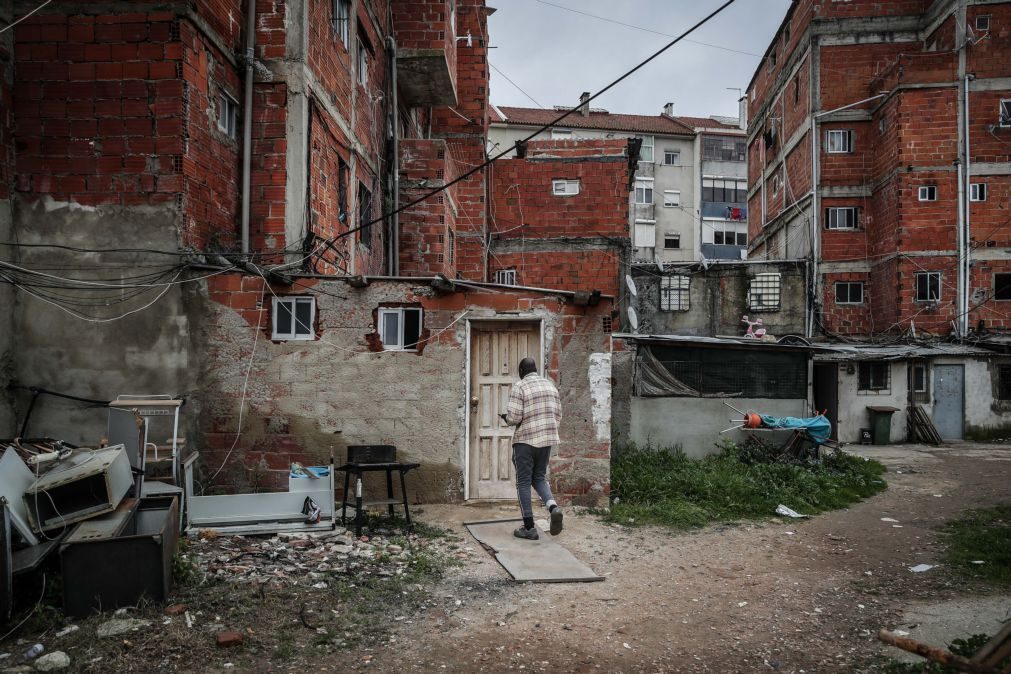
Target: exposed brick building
x: 905, y: 213
x: 332, y: 319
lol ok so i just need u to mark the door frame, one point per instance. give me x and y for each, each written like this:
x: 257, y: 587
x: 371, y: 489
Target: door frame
x: 515, y: 318
x: 933, y: 393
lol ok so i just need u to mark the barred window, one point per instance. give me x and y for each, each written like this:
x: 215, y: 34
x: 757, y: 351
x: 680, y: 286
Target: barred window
x: 721, y: 148
x: 764, y: 292
x: 875, y: 376
x: 674, y: 294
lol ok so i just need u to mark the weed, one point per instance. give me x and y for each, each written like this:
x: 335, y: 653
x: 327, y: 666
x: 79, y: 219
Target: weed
x: 184, y: 571
x: 964, y: 647
x: 981, y: 535
x: 285, y: 648
x: 665, y: 486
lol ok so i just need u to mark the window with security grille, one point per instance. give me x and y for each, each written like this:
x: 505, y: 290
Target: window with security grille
x: 672, y: 241
x: 875, y: 376
x: 721, y: 148
x: 849, y: 292
x: 841, y: 217
x: 928, y: 286
x: 674, y: 293
x: 764, y: 293
x: 342, y: 20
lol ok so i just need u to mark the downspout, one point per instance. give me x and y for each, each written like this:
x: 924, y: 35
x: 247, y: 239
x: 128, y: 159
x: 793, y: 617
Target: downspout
x: 394, y: 265
x: 247, y: 121
x: 815, y: 231
x: 966, y: 239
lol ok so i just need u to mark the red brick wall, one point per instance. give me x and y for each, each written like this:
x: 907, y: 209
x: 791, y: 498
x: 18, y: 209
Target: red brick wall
x: 330, y: 169
x: 329, y: 58
x: 846, y: 319
x: 268, y: 173
x: 988, y: 56
x: 575, y: 270
x: 425, y: 228
x: 270, y: 28
x: 425, y: 24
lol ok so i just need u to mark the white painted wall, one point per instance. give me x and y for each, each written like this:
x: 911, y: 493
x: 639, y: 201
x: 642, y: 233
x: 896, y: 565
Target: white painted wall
x: 853, y: 413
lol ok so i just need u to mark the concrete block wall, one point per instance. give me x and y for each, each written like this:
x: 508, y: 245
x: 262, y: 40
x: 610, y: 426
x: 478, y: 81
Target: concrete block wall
x: 428, y: 228
x: 425, y: 24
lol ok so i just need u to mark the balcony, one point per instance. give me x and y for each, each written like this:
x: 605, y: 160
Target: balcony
x: 713, y: 251
x: 724, y: 210
x: 426, y: 52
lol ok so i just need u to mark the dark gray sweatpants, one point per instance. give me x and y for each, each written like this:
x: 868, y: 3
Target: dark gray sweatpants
x: 531, y: 464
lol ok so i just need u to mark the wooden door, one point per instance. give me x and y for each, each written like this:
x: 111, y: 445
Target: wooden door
x: 495, y: 352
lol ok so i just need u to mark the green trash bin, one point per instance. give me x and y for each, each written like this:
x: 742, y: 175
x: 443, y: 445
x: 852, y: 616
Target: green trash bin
x: 881, y: 423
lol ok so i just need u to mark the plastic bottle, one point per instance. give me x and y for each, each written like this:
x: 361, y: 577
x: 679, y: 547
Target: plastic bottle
x: 34, y: 652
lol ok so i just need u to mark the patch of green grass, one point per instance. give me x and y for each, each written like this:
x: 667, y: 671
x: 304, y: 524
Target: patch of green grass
x: 665, y: 486
x: 981, y: 535
x: 964, y: 647
x: 285, y: 649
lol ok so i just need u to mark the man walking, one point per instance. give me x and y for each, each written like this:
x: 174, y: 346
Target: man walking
x: 536, y: 410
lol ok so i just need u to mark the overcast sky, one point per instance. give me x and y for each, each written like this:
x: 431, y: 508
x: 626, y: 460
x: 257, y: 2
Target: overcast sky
x: 555, y: 54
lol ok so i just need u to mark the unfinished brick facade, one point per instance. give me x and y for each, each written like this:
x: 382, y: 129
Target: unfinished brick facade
x: 886, y: 83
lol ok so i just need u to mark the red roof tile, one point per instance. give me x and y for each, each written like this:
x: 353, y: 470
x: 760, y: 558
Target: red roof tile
x: 706, y: 123
x: 604, y: 121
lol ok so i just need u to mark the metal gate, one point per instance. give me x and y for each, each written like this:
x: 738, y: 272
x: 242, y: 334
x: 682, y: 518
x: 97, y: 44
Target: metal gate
x: 949, y: 400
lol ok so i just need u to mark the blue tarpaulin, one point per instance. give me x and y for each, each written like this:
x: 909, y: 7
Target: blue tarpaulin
x: 818, y: 428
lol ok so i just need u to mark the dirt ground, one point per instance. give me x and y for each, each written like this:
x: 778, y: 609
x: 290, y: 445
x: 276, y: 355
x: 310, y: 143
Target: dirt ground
x: 795, y: 596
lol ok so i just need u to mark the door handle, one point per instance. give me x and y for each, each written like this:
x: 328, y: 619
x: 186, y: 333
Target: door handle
x: 473, y: 402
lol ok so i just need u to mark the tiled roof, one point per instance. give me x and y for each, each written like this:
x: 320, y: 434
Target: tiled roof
x: 604, y: 121
x: 707, y: 123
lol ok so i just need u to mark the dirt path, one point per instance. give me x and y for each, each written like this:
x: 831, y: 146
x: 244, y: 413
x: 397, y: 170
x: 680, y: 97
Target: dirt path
x: 798, y: 596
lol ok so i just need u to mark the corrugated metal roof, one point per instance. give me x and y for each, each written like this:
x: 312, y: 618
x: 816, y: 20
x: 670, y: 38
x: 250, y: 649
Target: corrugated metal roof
x: 734, y: 342
x: 857, y: 352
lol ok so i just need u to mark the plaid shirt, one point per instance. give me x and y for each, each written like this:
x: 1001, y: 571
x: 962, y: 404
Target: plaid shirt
x: 536, y: 410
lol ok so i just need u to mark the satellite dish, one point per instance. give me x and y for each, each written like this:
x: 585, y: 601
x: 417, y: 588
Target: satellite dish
x: 659, y: 262
x: 631, y: 285
x: 704, y: 262
x: 633, y: 319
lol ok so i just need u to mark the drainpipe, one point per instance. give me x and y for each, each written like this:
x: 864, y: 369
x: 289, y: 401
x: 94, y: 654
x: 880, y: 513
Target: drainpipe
x: 247, y: 121
x: 394, y: 265
x: 815, y: 231
x: 966, y: 240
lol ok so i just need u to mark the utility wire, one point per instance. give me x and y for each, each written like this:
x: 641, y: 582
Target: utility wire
x: 507, y: 79
x: 14, y: 23
x: 540, y: 130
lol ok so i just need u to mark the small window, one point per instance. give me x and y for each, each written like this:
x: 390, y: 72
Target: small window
x: 727, y: 233
x: 844, y: 217
x: 927, y: 193
x: 228, y: 115
x: 561, y: 134
x: 1004, y: 382
x: 849, y: 292
x: 364, y: 57
x: 977, y: 192
x: 764, y: 292
x: 644, y: 191
x: 506, y: 277
x: 983, y: 22
x: 674, y: 295
x: 1002, y: 287
x: 786, y: 35
x: 772, y: 58
x: 796, y: 89
x: 671, y: 198
x: 646, y: 151
x: 1005, y: 112
x: 672, y: 241
x: 450, y: 247
x: 918, y: 378
x: 874, y: 376
x: 928, y: 286
x: 364, y: 215
x: 400, y: 329
x: 671, y: 158
x: 342, y: 20
x: 293, y: 318
x: 645, y: 234
x: 565, y: 188
x: 775, y: 184
x: 839, y: 141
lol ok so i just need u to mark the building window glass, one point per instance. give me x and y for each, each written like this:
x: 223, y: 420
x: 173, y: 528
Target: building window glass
x: 977, y: 192
x: 849, y: 292
x: 928, y: 286
x: 506, y: 277
x: 1005, y: 112
x: 645, y: 235
x: 1002, y: 287
x: 722, y: 148
x: 561, y: 134
x: 726, y: 233
x: 342, y: 20
x: 364, y: 215
x: 228, y: 115
x: 293, y: 318
x: 918, y: 381
x: 764, y: 292
x: 724, y: 190
x: 874, y: 376
x: 644, y: 190
x: 672, y: 241
x: 671, y: 158
x: 983, y: 22
x: 927, y: 193
x: 844, y: 217
x: 646, y: 151
x: 674, y: 295
x: 400, y: 329
x: 364, y: 57
x: 671, y: 198
x: 839, y: 141
x: 565, y: 188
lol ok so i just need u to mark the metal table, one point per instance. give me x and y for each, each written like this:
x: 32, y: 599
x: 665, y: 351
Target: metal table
x: 374, y: 458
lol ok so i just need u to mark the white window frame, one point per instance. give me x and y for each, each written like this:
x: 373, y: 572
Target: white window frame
x: 645, y: 234
x: 672, y: 237
x: 561, y: 134
x: 399, y: 312
x: 839, y: 141
x: 833, y: 215
x: 977, y: 192
x: 505, y: 277
x: 676, y: 154
x: 646, y: 185
x: 647, y: 142
x: 924, y: 388
x: 342, y: 21
x: 772, y: 285
x: 1004, y: 113
x: 363, y: 63
x: 849, y: 292
x: 916, y: 286
x: 298, y: 332
x: 725, y: 227
x: 927, y: 193
x: 675, y: 293
x: 228, y: 115
x: 775, y: 184
x: 987, y: 19
x: 672, y: 198
x: 564, y: 187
